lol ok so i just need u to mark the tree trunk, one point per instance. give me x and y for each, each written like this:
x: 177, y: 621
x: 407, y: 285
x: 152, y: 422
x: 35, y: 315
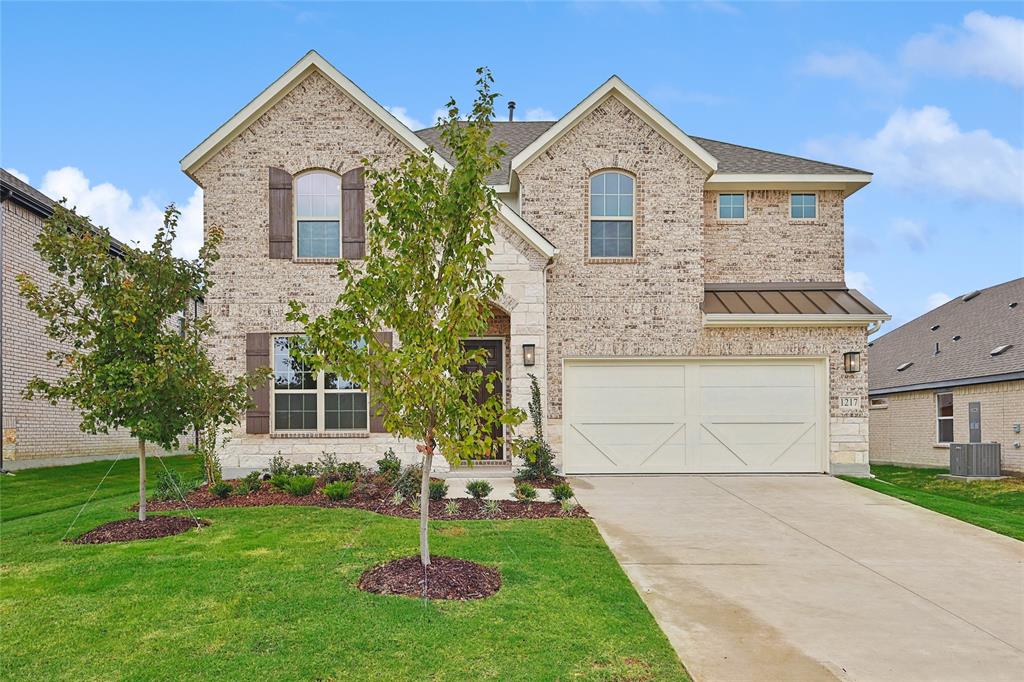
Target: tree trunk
x: 142, y: 480
x: 428, y: 456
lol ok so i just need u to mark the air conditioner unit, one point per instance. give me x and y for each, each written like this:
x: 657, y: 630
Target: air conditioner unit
x: 974, y: 459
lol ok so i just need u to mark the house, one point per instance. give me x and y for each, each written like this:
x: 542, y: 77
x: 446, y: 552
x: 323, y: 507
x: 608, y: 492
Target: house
x: 953, y: 375
x: 680, y: 300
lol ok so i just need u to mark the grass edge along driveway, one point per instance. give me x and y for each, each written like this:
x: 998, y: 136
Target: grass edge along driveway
x: 269, y: 593
x: 995, y: 505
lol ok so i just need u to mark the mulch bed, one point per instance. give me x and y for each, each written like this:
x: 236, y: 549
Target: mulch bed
x: 445, y: 578
x: 371, y: 496
x: 546, y: 484
x: 127, y: 530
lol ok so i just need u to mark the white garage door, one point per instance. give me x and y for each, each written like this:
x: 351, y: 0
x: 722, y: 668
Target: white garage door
x: 698, y: 416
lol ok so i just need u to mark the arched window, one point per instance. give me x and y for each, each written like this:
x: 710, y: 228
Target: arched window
x: 611, y: 215
x: 318, y: 215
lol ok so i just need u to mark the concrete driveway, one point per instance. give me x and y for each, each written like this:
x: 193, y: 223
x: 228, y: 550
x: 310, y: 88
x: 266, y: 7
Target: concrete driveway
x: 812, y: 578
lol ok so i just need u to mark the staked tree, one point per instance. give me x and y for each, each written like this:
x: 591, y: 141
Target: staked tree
x: 424, y: 277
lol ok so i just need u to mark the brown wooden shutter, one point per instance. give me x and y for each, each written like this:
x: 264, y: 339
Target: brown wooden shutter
x: 280, y: 213
x: 257, y: 355
x: 353, y: 208
x: 376, y: 410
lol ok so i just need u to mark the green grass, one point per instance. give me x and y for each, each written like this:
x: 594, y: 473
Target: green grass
x: 269, y: 594
x: 995, y: 505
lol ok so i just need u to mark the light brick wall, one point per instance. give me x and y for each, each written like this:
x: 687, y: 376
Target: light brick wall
x: 904, y: 432
x: 748, y: 250
x: 317, y: 126
x: 35, y: 429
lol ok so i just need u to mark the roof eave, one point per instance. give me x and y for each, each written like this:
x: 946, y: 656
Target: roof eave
x: 949, y: 383
x: 794, y: 320
x: 847, y: 182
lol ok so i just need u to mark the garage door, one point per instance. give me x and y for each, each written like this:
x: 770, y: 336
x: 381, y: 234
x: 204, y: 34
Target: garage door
x: 696, y: 416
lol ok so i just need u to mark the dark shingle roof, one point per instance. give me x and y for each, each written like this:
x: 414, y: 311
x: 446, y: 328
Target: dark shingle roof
x: 732, y: 158
x: 791, y: 298
x: 515, y: 135
x: 982, y: 323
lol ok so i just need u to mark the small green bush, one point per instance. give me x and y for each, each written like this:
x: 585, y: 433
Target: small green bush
x: 278, y: 466
x: 221, y: 489
x: 300, y: 486
x: 525, y: 492
x: 249, y: 484
x: 438, y: 490
x: 304, y: 470
x: 409, y: 482
x: 327, y: 465
x: 351, y: 471
x: 280, y: 481
x: 389, y: 466
x: 491, y: 508
x: 568, y: 506
x: 171, y: 486
x: 562, y: 491
x: 414, y: 505
x: 452, y: 507
x: 339, y: 491
x: 479, y: 489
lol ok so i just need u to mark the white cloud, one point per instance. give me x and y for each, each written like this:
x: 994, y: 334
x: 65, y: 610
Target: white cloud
x: 128, y: 219
x: 857, y: 65
x: 937, y: 299
x: 538, y: 114
x: 402, y: 114
x: 985, y: 45
x: 860, y: 281
x: 18, y: 174
x: 924, y: 149
x: 913, y: 232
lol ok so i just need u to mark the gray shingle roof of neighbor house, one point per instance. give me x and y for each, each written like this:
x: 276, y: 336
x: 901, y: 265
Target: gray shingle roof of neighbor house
x: 787, y: 298
x: 967, y: 330
x: 732, y: 158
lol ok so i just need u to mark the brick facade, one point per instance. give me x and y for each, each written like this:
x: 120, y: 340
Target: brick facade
x: 904, y: 430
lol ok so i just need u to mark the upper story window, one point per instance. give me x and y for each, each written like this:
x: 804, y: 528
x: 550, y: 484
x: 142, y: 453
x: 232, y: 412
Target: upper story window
x: 611, y: 215
x: 318, y: 215
x: 732, y: 207
x: 803, y: 206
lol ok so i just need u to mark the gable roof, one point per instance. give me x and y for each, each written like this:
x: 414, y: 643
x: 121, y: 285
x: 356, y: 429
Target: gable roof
x: 983, y: 322
x: 734, y: 158
x: 515, y: 135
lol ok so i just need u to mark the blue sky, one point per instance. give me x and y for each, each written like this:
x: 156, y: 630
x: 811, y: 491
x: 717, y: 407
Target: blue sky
x: 101, y: 105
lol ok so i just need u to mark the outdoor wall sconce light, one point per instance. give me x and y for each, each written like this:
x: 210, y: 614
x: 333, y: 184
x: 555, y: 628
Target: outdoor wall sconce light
x: 529, y: 354
x: 851, y: 362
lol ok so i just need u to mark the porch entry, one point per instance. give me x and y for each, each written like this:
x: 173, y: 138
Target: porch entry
x: 492, y: 365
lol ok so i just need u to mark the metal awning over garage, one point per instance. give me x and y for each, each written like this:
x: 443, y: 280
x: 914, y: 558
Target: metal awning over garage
x: 791, y: 303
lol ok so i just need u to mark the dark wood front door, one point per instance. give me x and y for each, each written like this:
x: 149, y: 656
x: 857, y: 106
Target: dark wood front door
x: 493, y: 365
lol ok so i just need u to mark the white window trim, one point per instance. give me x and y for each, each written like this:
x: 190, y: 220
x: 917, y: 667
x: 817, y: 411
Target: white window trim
x: 321, y: 391
x: 718, y: 207
x: 939, y: 419
x: 296, y: 217
x: 591, y: 217
x: 817, y: 207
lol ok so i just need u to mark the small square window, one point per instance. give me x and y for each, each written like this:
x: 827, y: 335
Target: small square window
x: 803, y: 206
x: 731, y: 206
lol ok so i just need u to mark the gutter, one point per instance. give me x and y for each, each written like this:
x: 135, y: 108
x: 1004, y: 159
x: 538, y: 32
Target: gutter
x: 873, y: 322
x: 951, y: 383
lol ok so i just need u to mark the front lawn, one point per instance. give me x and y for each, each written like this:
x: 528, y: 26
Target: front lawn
x: 996, y: 505
x: 269, y: 594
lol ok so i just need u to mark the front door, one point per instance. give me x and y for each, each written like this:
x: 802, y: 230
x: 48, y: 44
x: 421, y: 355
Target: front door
x: 493, y: 365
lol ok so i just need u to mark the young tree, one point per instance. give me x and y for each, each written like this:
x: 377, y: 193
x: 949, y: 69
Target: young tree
x: 123, y: 361
x: 424, y: 277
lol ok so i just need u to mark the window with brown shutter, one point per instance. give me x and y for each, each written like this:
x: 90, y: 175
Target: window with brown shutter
x: 353, y: 207
x: 257, y: 355
x: 376, y: 409
x: 280, y: 213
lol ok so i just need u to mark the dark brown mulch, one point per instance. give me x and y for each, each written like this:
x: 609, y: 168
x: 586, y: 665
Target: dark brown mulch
x: 375, y: 497
x: 546, y: 484
x: 127, y: 530
x: 445, y: 578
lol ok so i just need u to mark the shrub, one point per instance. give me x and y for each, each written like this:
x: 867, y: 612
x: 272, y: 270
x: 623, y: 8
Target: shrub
x: 278, y: 465
x: 339, y: 491
x: 280, y: 481
x: 561, y: 492
x: 491, y: 507
x: 327, y: 464
x: 409, y: 482
x: 414, y: 505
x: 221, y: 489
x: 303, y: 470
x: 249, y: 484
x: 397, y: 499
x: 540, y: 460
x: 300, y: 486
x: 438, y: 490
x: 171, y: 486
x: 525, y: 492
x: 568, y: 506
x: 479, y: 489
x: 389, y: 466
x: 351, y: 471
x: 452, y: 507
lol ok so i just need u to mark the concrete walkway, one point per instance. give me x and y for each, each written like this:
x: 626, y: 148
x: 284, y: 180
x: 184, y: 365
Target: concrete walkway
x: 811, y: 578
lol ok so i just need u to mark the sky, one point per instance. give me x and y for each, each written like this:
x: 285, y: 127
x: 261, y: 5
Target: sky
x: 100, y: 106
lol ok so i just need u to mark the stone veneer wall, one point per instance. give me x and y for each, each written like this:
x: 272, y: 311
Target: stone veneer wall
x: 748, y: 250
x: 903, y: 431
x: 317, y: 126
x: 35, y: 429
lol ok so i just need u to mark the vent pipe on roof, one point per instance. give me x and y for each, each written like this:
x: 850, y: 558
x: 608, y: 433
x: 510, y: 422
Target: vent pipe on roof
x: 936, y: 347
x: 511, y: 110
x: 971, y: 295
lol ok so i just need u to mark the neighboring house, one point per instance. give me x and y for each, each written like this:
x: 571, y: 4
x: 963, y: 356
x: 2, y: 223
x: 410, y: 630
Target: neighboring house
x: 680, y: 300
x: 34, y: 431
x: 928, y: 375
